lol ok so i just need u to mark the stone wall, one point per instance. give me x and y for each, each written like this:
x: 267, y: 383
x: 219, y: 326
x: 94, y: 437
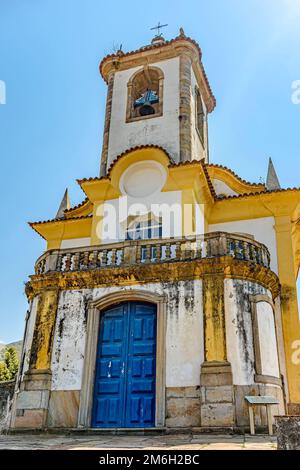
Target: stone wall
x: 288, y: 432
x: 208, y: 364
x: 6, y: 390
x: 184, y: 320
x: 163, y: 130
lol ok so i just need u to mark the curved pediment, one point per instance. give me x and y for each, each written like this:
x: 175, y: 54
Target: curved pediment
x: 227, y: 183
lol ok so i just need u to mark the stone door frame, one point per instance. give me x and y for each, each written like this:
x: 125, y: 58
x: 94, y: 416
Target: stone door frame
x: 95, y: 309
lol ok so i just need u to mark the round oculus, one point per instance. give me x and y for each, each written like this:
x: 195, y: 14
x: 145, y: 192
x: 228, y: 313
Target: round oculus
x: 143, y: 179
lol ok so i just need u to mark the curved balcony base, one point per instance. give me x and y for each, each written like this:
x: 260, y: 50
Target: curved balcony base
x: 227, y: 266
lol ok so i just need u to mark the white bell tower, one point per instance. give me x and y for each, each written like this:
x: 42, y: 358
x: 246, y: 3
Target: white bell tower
x: 157, y: 95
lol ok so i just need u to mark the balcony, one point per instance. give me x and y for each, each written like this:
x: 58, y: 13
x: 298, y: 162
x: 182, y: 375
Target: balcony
x: 141, y: 252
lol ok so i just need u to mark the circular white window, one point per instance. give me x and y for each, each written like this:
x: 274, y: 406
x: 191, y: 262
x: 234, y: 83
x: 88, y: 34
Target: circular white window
x: 143, y: 179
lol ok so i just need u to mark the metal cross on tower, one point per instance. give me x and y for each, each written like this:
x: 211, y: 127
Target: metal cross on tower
x: 158, y: 27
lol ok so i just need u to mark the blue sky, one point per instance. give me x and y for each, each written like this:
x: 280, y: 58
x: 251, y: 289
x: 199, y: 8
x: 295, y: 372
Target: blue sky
x: 51, y: 125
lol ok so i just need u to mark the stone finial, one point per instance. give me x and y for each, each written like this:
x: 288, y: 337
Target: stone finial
x: 181, y: 33
x: 120, y: 50
x: 158, y: 40
x: 272, y: 179
x: 65, y: 204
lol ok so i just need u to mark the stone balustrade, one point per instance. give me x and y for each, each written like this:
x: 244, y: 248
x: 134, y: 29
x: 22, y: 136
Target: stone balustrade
x: 211, y: 245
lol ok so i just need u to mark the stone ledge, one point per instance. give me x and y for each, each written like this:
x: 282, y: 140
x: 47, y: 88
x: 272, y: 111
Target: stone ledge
x: 214, y: 374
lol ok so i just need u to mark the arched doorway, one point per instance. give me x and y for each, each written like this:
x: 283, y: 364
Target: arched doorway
x: 125, y: 374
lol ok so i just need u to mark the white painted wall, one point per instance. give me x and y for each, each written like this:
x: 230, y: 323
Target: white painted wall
x: 222, y: 188
x: 239, y: 340
x: 75, y: 242
x: 69, y: 342
x: 262, y: 229
x: 267, y: 339
x: 163, y: 130
x: 116, y: 212
x: 29, y: 333
x: 239, y: 331
x: 185, y: 337
x: 184, y: 333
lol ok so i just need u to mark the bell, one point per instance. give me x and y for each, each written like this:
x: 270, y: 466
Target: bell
x: 146, y: 109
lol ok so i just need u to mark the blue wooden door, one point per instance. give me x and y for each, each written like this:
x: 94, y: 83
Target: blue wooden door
x: 124, y: 390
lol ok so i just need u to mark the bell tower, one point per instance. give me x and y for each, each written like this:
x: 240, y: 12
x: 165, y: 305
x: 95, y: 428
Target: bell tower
x: 157, y: 95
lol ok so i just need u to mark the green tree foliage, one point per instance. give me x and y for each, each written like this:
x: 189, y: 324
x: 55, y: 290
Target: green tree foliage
x: 4, y: 372
x: 9, y: 367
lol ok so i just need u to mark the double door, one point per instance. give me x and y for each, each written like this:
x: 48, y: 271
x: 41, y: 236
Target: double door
x: 124, y: 389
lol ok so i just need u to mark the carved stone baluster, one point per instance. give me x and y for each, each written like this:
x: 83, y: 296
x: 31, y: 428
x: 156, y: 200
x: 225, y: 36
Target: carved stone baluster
x: 236, y: 249
x: 168, y: 251
x: 198, y: 253
x: 93, y: 259
x: 86, y: 259
x: 215, y: 247
x: 222, y: 245
x: 76, y: 260
x: 113, y: 256
x: 188, y: 250
x: 68, y: 262
x: 139, y: 249
x: 104, y: 258
x: 59, y: 263
x: 158, y: 252
x: 37, y: 268
x: 72, y: 262
x: 178, y: 250
x: 253, y: 253
x: 148, y: 254
x: 41, y: 267
x: 246, y: 251
x: 259, y: 255
x: 120, y: 257
x: 208, y: 247
x: 81, y: 260
x: 267, y: 259
x: 228, y: 249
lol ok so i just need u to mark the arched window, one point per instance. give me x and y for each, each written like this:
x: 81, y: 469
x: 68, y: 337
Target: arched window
x: 200, y: 114
x: 145, y: 94
x: 143, y: 227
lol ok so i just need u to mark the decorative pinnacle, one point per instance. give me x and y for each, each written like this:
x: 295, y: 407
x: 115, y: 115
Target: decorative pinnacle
x: 65, y: 204
x: 272, y: 178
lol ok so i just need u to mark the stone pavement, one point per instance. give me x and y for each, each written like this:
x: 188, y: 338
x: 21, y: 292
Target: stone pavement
x: 161, y: 442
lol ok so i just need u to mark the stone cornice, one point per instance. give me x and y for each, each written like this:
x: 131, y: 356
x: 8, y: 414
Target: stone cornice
x: 155, y: 272
x: 153, y: 53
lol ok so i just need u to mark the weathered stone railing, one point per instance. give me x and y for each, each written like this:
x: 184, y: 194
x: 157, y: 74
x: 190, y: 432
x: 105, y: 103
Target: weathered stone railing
x: 211, y: 245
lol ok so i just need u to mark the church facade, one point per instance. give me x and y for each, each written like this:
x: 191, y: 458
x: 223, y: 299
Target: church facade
x: 169, y: 293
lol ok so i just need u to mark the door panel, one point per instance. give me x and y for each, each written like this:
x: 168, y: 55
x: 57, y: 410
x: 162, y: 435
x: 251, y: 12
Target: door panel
x: 110, y: 371
x: 124, y: 390
x: 141, y: 366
